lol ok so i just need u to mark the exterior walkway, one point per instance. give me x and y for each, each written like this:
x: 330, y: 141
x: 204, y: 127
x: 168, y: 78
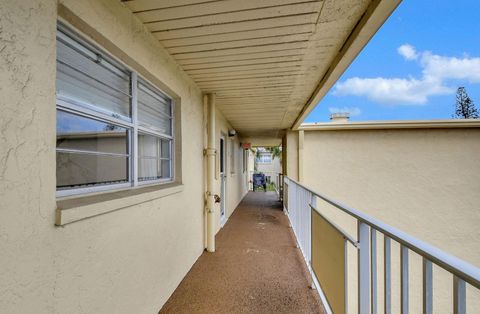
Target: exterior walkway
x: 257, y: 267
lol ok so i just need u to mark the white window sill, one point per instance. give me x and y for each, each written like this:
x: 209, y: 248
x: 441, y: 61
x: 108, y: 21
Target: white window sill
x: 79, y: 208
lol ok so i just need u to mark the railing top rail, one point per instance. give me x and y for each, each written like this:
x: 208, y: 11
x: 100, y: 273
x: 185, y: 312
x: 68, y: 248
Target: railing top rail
x: 453, y: 264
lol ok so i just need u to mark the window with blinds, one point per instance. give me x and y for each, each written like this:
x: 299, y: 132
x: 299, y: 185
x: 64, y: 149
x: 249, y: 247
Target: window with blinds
x: 114, y: 129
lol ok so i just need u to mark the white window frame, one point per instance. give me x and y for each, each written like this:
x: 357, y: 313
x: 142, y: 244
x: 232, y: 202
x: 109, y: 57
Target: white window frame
x: 133, y: 127
x: 260, y: 160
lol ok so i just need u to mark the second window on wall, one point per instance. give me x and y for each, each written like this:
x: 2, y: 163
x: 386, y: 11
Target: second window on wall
x: 114, y: 129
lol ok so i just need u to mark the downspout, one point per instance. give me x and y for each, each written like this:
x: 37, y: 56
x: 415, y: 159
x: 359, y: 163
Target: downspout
x: 284, y: 154
x: 210, y: 153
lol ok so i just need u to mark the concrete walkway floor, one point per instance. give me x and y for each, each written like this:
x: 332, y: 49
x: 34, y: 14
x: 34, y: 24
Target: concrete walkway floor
x: 256, y: 268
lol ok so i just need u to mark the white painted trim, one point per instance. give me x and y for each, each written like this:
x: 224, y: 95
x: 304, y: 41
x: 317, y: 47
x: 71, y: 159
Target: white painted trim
x: 386, y: 125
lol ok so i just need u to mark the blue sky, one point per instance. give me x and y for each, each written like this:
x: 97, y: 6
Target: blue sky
x: 412, y: 67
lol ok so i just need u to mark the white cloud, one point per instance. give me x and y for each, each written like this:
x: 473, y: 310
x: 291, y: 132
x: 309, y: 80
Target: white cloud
x: 448, y: 68
x: 408, y: 52
x: 437, y: 71
x: 354, y: 111
x: 392, y: 91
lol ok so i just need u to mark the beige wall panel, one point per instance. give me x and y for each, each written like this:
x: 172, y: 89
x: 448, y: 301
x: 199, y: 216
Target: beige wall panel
x: 328, y: 261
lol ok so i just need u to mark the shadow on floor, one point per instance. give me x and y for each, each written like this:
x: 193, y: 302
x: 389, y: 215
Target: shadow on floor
x: 256, y: 268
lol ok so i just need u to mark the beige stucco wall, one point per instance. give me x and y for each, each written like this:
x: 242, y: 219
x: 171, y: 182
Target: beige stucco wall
x: 125, y: 261
x: 291, y: 140
x: 274, y: 167
x: 422, y: 181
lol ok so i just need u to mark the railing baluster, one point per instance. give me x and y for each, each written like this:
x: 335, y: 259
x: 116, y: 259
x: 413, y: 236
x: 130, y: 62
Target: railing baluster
x: 314, y: 204
x: 300, y: 220
x: 427, y: 287
x: 387, y: 275
x: 459, y: 296
x: 404, y: 279
x: 363, y: 268
x: 373, y: 261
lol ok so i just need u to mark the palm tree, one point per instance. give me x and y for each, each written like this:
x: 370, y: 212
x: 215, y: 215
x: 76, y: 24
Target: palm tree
x: 276, y: 152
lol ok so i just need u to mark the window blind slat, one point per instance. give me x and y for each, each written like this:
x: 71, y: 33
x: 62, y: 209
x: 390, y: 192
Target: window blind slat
x: 81, y: 79
x: 154, y: 109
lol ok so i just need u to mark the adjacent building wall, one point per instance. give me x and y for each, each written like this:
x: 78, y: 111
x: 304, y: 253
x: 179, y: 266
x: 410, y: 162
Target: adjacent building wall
x: 272, y: 167
x: 425, y: 182
x: 125, y: 261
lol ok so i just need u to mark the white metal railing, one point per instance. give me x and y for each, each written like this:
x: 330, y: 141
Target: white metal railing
x: 298, y: 204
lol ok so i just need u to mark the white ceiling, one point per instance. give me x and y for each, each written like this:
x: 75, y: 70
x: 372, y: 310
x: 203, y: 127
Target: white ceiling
x: 264, y: 59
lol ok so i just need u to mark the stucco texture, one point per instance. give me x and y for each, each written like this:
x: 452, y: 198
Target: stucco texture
x: 424, y: 182
x: 126, y: 261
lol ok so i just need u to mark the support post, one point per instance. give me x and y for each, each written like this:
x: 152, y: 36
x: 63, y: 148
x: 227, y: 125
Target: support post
x: 301, y: 136
x: 284, y: 154
x: 210, y: 154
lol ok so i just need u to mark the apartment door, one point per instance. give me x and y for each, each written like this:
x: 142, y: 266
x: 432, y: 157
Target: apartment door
x: 223, y: 176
